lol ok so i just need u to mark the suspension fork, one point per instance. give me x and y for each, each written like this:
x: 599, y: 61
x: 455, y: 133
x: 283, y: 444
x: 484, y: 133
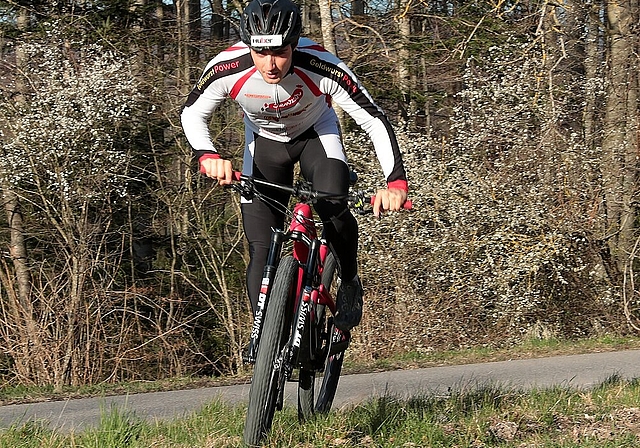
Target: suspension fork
x: 278, y: 238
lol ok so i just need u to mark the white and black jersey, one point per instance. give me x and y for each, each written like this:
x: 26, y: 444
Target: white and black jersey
x: 284, y: 111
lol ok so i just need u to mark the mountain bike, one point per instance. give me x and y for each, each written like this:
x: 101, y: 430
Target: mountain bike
x: 292, y: 329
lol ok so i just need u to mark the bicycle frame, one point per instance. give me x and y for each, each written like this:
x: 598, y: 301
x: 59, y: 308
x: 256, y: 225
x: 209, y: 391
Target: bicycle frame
x: 310, y: 252
x: 297, y: 333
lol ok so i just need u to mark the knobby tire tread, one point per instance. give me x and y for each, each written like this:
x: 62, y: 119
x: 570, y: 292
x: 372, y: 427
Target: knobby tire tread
x: 263, y: 392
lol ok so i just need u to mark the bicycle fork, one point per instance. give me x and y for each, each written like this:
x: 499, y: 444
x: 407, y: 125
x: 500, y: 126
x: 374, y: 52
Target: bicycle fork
x: 277, y: 240
x: 305, y: 310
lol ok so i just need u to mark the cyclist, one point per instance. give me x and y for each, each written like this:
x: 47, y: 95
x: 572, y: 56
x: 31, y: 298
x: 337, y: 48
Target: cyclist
x: 285, y: 86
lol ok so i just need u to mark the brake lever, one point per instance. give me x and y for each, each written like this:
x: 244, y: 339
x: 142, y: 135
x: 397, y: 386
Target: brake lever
x: 245, y: 188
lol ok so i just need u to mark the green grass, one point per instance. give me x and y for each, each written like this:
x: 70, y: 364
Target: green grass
x: 607, y: 416
x: 11, y: 394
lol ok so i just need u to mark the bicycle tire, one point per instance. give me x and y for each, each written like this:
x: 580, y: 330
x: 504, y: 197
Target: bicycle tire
x: 263, y: 393
x: 329, y: 386
x: 333, y: 367
x: 306, y: 386
x: 306, y: 377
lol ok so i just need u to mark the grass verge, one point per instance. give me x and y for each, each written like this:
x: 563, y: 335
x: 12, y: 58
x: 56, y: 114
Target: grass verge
x: 607, y: 416
x: 532, y: 348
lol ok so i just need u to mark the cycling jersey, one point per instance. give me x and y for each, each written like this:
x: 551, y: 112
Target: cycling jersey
x: 284, y: 111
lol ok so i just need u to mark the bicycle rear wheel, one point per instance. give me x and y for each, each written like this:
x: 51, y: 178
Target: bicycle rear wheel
x: 264, y: 384
x: 307, y: 377
x: 331, y: 374
x: 333, y: 367
x: 306, y: 386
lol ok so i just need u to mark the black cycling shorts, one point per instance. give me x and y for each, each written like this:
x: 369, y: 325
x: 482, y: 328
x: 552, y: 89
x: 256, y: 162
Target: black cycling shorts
x: 275, y: 161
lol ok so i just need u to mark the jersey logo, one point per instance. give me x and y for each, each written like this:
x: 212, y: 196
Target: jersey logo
x: 215, y: 70
x: 286, y: 104
x: 334, y: 72
x: 257, y: 96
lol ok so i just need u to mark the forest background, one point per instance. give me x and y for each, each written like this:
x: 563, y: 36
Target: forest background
x: 519, y: 126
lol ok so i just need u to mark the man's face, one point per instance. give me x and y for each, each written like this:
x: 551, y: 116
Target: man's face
x: 273, y: 65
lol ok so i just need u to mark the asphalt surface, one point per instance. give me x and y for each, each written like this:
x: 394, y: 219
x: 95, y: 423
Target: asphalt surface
x: 574, y: 371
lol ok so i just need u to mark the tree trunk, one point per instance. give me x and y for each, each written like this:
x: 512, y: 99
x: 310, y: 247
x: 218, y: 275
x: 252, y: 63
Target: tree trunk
x: 592, y: 63
x: 329, y: 42
x: 17, y: 282
x: 620, y: 139
x: 217, y: 20
x: 18, y: 248
x: 30, y: 359
x: 404, y: 77
x: 328, y: 39
x: 357, y: 8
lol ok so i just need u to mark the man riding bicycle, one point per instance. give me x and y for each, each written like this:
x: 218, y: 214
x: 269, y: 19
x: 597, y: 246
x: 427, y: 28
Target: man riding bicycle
x: 285, y: 86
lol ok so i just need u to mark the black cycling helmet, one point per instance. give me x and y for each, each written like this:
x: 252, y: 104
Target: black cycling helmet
x: 270, y: 24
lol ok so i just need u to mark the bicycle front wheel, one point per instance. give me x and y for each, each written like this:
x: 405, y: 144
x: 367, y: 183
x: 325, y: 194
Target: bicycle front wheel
x: 264, y: 384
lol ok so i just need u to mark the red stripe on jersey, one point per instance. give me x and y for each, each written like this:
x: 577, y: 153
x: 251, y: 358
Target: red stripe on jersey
x: 314, y: 88
x: 315, y: 47
x: 238, y: 85
x: 235, y: 47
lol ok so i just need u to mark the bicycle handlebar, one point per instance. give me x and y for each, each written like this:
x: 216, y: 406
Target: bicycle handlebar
x: 303, y: 191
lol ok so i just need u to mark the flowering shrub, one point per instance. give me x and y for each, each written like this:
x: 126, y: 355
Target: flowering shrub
x: 64, y: 129
x: 66, y: 170
x: 503, y: 241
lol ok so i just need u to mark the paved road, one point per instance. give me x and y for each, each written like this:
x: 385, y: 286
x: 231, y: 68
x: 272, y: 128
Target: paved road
x: 578, y: 371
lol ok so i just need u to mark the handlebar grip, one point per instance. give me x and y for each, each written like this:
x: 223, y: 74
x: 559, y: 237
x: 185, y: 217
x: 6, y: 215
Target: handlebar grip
x: 408, y: 204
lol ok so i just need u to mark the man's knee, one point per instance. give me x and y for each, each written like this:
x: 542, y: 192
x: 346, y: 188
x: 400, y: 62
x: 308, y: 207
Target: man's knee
x: 337, y: 214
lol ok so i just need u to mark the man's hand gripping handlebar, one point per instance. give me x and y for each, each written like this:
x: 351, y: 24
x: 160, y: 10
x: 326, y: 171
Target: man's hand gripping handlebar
x: 218, y: 169
x: 359, y: 200
x: 391, y: 199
